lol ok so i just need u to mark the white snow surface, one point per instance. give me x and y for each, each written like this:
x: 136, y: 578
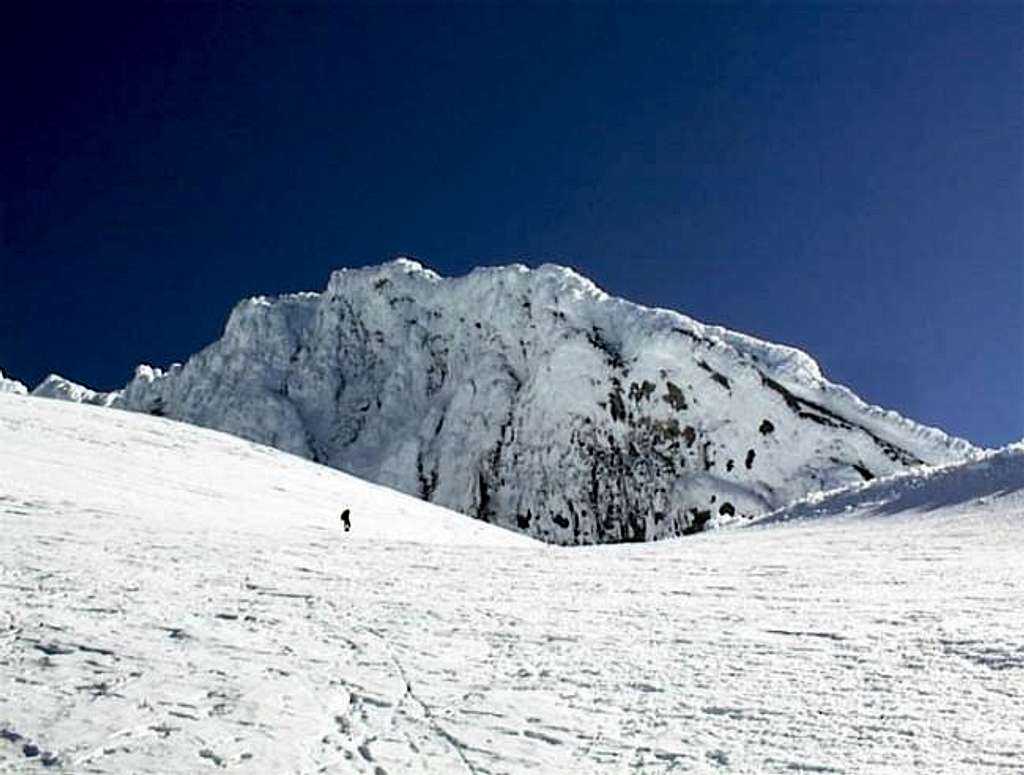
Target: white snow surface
x: 56, y: 386
x: 531, y: 399
x: 8, y: 385
x: 175, y: 600
x: 952, y: 488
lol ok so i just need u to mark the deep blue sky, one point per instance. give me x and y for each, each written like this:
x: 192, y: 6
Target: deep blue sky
x: 847, y: 179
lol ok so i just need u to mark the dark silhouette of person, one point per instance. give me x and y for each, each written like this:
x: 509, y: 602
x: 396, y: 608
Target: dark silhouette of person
x: 346, y: 521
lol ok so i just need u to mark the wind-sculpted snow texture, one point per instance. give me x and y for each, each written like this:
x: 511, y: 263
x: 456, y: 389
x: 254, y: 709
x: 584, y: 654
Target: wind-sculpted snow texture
x: 531, y: 399
x: 56, y: 386
x: 175, y: 600
x: 8, y: 385
x: 993, y: 475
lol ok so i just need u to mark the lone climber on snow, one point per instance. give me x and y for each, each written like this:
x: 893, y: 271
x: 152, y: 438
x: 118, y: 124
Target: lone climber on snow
x: 346, y: 521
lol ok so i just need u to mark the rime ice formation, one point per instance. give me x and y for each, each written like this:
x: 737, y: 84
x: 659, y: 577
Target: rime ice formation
x: 8, y: 385
x: 993, y: 477
x: 56, y: 386
x: 531, y: 399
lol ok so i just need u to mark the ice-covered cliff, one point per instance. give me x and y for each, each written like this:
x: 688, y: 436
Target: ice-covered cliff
x: 532, y: 399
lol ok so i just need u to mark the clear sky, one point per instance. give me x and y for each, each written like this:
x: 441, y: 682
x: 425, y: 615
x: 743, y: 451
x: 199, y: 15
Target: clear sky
x: 845, y: 178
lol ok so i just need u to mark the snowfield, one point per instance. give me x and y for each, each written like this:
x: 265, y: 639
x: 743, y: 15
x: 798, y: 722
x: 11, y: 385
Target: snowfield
x: 176, y: 600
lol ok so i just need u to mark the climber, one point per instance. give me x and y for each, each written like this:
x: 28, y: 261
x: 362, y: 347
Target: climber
x: 346, y: 521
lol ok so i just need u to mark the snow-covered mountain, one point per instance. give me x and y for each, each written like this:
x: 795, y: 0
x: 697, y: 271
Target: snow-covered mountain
x: 533, y: 400
x: 56, y: 386
x: 8, y: 385
x: 175, y: 600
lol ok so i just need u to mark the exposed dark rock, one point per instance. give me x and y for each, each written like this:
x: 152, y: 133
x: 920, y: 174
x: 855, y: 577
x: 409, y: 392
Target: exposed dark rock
x: 616, y: 406
x: 864, y: 471
x: 689, y: 435
x: 706, y: 456
x: 484, y: 500
x: 641, y: 392
x: 674, y: 397
x: 9, y: 735
x: 427, y: 479
x: 699, y: 519
x: 613, y: 356
x: 824, y: 416
x: 721, y: 379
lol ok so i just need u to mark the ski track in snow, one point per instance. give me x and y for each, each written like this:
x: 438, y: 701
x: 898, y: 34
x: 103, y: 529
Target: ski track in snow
x: 131, y: 644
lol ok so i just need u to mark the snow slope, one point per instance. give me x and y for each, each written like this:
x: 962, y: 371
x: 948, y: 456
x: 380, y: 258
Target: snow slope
x: 174, y: 600
x: 996, y: 476
x: 191, y: 478
x: 531, y: 399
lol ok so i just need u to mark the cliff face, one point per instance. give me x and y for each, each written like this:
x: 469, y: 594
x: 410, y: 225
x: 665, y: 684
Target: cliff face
x: 531, y: 399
